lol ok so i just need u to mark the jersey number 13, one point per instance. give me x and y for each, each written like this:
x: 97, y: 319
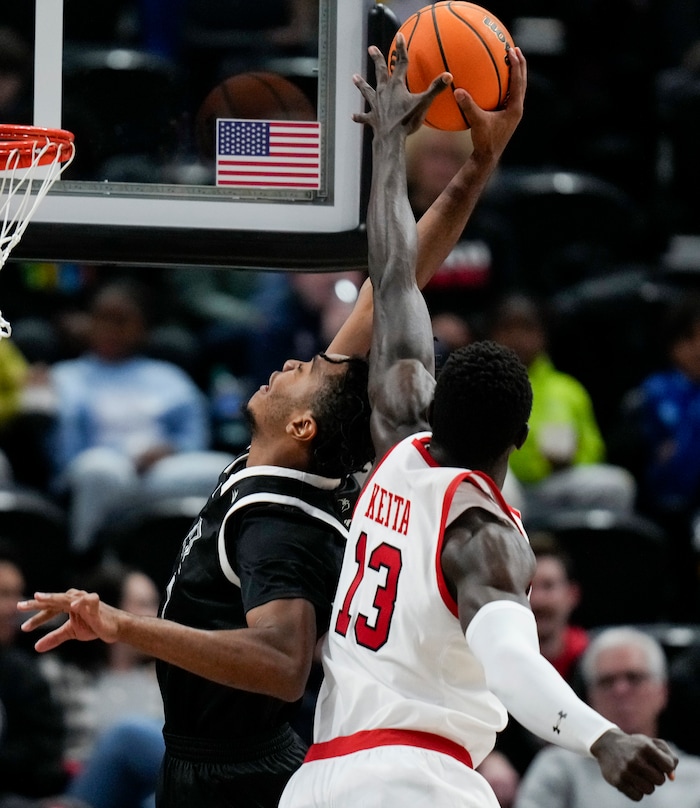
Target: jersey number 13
x: 372, y: 635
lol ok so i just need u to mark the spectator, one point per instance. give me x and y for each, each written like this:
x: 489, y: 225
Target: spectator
x: 624, y: 672
x: 15, y: 77
x: 113, y: 708
x: 33, y: 735
x: 123, y: 767
x: 14, y: 369
x: 502, y: 776
x: 450, y: 331
x: 125, y: 424
x: 554, y: 595
x: 14, y: 375
x: 101, y: 685
x: 479, y: 265
x: 682, y: 716
x: 664, y: 412
x: 658, y: 439
x: 562, y: 463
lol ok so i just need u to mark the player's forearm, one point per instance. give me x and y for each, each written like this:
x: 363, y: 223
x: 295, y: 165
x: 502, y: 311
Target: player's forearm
x: 442, y: 225
x: 248, y: 658
x: 401, y: 320
x: 391, y: 227
x: 355, y: 335
x: 503, y: 637
x: 438, y: 230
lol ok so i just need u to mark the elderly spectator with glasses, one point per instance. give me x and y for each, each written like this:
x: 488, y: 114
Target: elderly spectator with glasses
x: 624, y: 673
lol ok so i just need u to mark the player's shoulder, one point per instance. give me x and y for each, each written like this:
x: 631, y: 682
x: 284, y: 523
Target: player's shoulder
x: 400, y: 403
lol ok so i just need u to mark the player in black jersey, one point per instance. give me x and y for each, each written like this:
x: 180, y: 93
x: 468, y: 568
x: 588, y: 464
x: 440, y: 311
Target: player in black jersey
x: 251, y: 591
x: 252, y: 587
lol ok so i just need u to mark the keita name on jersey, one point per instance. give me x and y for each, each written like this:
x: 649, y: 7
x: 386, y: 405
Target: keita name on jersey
x: 388, y: 509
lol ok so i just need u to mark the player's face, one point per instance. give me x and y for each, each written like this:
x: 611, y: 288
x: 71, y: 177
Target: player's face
x: 292, y: 389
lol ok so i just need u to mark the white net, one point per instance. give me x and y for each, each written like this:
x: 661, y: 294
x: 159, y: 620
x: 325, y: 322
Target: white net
x: 31, y: 160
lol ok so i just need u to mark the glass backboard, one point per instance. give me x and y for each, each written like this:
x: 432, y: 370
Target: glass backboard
x: 147, y: 88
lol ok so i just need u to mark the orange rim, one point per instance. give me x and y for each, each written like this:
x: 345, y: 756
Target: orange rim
x: 23, y: 143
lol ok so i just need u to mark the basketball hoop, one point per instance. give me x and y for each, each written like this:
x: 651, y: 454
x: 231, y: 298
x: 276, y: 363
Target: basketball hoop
x: 31, y: 160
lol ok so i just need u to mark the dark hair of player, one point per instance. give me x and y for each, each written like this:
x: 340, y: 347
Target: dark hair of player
x: 343, y: 444
x: 482, y: 403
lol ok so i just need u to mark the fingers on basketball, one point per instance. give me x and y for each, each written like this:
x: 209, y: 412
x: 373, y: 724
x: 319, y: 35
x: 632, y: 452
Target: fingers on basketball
x: 465, y: 40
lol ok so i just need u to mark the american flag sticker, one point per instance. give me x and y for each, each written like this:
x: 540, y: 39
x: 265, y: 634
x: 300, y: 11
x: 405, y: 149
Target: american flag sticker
x: 268, y: 154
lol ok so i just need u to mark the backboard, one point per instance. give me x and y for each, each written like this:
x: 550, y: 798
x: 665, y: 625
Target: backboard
x: 130, y: 82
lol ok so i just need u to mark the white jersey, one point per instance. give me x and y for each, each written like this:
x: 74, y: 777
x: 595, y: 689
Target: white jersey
x: 395, y: 657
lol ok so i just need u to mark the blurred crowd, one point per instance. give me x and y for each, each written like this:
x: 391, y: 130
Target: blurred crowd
x: 122, y: 387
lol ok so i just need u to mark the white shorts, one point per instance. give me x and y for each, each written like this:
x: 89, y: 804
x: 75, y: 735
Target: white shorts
x: 388, y: 775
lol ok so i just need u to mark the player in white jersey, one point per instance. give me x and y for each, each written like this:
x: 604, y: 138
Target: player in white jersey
x: 432, y: 638
x: 416, y: 672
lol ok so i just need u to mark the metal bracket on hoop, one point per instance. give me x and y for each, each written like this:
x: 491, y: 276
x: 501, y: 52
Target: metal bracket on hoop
x: 23, y: 184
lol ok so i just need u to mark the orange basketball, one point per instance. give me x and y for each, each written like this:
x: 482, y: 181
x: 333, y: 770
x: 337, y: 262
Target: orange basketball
x: 466, y: 40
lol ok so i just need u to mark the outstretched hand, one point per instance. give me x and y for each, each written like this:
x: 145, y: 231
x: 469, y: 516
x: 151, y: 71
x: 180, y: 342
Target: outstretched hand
x: 491, y: 130
x: 391, y: 104
x: 88, y: 617
x: 634, y: 764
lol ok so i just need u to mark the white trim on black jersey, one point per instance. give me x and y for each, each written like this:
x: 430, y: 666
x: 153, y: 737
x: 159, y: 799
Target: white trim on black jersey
x: 275, y: 499
x: 324, y: 483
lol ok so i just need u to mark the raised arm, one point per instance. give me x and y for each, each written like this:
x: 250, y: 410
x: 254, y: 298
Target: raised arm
x: 401, y: 377
x: 443, y: 223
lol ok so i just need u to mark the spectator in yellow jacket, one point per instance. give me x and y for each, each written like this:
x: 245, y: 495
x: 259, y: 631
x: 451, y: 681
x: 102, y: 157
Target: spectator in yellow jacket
x: 562, y: 464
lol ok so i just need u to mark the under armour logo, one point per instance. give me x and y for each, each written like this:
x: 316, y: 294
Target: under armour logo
x: 234, y: 496
x: 556, y: 728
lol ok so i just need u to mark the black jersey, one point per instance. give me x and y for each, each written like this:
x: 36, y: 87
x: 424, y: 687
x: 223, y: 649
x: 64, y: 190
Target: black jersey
x: 266, y: 533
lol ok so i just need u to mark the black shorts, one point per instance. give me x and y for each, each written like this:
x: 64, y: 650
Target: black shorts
x: 239, y: 774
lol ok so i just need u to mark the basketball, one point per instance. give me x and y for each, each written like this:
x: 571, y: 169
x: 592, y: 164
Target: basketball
x: 257, y: 96
x: 465, y: 40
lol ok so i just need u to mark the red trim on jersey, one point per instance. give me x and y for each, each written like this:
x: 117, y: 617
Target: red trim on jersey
x: 513, y: 513
x: 369, y: 739
x: 422, y: 445
x: 445, y: 593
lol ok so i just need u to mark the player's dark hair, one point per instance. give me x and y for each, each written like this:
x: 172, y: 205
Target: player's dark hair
x: 482, y: 403
x: 343, y: 444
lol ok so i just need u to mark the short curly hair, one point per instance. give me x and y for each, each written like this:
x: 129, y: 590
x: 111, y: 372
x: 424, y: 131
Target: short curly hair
x: 343, y: 443
x: 482, y: 403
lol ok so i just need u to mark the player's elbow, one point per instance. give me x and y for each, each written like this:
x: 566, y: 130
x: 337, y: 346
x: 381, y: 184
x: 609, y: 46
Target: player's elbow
x: 290, y: 684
